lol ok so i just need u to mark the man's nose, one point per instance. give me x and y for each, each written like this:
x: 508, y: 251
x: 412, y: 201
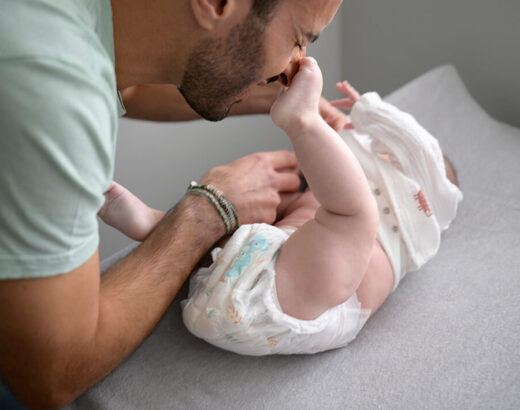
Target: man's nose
x: 290, y: 71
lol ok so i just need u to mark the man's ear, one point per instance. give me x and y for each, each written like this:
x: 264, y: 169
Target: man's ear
x: 215, y: 14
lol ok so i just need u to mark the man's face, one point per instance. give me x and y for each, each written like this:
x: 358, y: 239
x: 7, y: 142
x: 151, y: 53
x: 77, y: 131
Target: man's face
x: 220, y: 71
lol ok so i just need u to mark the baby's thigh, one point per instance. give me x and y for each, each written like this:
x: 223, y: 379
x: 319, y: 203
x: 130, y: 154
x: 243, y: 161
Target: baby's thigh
x: 377, y: 282
x: 317, y: 269
x: 374, y: 286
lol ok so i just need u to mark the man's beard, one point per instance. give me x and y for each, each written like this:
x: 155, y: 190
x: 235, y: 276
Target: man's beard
x: 219, y: 71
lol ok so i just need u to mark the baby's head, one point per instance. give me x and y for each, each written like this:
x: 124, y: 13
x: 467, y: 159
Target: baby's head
x: 450, y: 171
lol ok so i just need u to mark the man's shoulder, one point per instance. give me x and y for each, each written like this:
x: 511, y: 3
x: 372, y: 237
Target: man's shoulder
x: 64, y: 32
x: 55, y: 68
x: 58, y: 119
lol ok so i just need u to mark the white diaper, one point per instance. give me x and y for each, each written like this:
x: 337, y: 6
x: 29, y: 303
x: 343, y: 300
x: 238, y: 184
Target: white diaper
x: 415, y: 198
x: 233, y: 303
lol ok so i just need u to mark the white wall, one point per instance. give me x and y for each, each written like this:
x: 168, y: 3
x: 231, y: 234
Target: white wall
x: 156, y: 161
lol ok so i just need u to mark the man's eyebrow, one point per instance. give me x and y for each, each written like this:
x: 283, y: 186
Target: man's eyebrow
x: 311, y: 37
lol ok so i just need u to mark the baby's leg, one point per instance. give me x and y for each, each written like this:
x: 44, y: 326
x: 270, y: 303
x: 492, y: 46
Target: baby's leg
x: 320, y: 267
x: 377, y: 282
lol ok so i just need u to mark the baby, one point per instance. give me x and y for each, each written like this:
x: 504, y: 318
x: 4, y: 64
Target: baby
x: 380, y: 196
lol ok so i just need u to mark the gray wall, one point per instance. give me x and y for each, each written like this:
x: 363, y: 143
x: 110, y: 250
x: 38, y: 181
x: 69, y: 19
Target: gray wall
x: 156, y: 161
x: 386, y: 43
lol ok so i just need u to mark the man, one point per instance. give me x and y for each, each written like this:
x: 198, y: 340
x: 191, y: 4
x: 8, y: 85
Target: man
x: 64, y: 327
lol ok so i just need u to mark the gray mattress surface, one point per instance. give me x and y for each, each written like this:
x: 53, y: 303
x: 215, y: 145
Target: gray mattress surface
x: 447, y: 338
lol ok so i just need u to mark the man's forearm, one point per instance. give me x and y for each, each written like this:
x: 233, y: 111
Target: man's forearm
x: 259, y: 101
x: 136, y: 292
x: 157, y: 102
x: 71, y: 330
x: 164, y: 102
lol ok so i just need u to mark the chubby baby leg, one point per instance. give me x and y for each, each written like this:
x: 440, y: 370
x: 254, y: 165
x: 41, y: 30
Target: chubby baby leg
x: 320, y: 267
x: 374, y: 286
x: 377, y: 282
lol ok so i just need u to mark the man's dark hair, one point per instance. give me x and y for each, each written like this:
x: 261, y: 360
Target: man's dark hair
x: 264, y: 9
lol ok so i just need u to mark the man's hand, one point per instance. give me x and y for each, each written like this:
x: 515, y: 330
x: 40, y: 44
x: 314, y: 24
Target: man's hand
x: 259, y: 101
x: 255, y: 184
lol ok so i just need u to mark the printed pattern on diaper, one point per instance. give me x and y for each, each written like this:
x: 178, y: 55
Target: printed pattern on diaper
x: 232, y: 339
x: 423, y: 203
x: 272, y: 341
x: 257, y: 243
x: 318, y: 348
x: 234, y: 315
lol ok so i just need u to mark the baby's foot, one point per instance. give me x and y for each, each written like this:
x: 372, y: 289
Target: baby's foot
x: 127, y: 213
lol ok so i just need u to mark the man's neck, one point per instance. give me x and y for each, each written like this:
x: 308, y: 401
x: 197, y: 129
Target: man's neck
x: 149, y: 45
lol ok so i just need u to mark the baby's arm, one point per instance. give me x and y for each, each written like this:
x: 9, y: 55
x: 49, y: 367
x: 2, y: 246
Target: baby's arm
x: 322, y: 264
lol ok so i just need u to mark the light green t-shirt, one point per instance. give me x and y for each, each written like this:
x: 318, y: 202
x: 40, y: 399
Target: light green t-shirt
x: 58, y: 123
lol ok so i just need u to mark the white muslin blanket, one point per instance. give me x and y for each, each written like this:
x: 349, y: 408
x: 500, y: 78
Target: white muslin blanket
x: 416, y: 199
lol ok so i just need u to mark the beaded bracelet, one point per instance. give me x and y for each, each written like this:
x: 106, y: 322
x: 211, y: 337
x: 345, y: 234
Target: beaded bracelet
x: 211, y: 198
x: 228, y: 207
x: 222, y: 205
x: 230, y: 210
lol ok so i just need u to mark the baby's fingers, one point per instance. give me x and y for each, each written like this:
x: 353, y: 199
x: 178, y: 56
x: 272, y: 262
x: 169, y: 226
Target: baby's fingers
x: 345, y: 103
x: 348, y: 90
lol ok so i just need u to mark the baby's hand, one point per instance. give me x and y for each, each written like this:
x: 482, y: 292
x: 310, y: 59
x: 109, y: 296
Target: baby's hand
x: 299, y: 104
x: 346, y: 103
x: 336, y: 118
x: 127, y: 213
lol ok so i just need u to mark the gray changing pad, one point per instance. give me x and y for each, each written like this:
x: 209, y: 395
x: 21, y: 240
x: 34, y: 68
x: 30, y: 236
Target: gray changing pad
x: 447, y: 338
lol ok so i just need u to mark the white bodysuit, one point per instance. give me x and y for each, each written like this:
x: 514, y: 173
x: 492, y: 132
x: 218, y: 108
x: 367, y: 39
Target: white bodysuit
x: 233, y: 303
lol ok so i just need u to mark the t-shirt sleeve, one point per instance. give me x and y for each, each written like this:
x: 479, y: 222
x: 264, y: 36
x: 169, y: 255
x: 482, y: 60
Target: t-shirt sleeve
x: 57, y: 136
